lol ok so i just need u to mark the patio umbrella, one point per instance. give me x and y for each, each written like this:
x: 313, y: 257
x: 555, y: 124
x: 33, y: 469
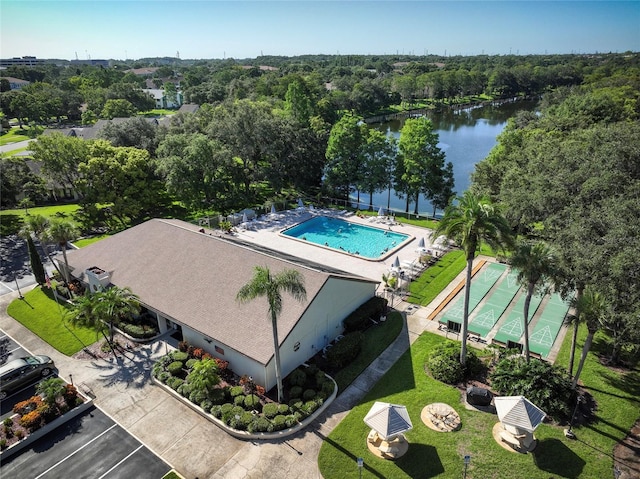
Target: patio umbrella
x: 519, y: 412
x: 273, y: 209
x: 311, y: 208
x: 381, y: 211
x: 388, y: 419
x: 244, y: 218
x: 300, y: 203
x: 421, y: 243
x: 396, y: 262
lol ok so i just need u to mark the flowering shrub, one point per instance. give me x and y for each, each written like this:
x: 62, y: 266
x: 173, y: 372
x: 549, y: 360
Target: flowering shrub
x: 31, y: 421
x: 197, y: 353
x: 242, y: 405
x: 27, y: 406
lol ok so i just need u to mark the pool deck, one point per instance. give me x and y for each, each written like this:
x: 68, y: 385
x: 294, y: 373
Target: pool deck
x: 264, y: 231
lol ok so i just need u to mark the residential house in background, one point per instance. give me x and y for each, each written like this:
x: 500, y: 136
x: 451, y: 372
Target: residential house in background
x: 160, y: 97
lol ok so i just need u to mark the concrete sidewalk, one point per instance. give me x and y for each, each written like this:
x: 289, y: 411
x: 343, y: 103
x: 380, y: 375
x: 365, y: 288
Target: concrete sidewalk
x: 192, y: 445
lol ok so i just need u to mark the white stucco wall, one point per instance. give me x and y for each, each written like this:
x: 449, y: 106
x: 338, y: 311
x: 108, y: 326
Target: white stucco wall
x: 321, y: 323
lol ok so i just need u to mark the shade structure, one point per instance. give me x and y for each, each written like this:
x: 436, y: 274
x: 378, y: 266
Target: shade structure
x: 396, y: 262
x: 388, y: 419
x: 381, y: 211
x: 300, y: 203
x: 519, y: 412
x: 421, y: 243
x: 273, y: 209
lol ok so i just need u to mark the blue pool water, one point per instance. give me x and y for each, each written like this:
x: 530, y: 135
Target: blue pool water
x: 360, y: 240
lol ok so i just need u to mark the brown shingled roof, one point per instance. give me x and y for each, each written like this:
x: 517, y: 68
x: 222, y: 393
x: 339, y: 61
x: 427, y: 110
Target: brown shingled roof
x: 194, y: 277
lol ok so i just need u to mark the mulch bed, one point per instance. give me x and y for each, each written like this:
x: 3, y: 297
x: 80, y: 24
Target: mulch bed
x: 95, y: 351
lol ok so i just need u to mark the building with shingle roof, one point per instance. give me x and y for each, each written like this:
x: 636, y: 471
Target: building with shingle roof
x: 189, y: 280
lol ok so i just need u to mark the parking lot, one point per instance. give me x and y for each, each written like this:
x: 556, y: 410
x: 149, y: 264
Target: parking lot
x: 90, y: 446
x: 10, y: 350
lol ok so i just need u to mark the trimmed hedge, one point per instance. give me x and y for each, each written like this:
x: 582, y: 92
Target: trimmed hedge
x: 345, y: 350
x: 358, y: 320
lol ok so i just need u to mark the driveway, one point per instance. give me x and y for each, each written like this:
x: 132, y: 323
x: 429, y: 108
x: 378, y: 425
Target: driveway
x: 14, y: 146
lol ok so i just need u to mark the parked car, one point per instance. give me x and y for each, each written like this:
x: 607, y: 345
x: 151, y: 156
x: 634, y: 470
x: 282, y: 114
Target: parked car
x: 20, y: 372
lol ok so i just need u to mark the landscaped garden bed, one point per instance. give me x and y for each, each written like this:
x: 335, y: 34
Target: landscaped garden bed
x: 237, y: 403
x: 55, y: 404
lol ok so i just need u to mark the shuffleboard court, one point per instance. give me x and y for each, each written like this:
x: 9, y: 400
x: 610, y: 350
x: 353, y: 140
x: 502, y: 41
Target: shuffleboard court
x: 480, y: 286
x: 548, y: 326
x: 495, y: 305
x: 511, y: 329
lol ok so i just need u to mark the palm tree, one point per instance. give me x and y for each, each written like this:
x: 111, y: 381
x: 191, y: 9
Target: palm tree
x: 591, y: 308
x: 97, y: 310
x: 575, y: 322
x: 535, y: 263
x: 264, y: 283
x: 51, y: 389
x: 470, y: 222
x: 61, y: 231
x: 114, y: 304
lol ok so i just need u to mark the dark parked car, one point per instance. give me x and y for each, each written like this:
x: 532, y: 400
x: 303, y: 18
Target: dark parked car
x: 20, y: 372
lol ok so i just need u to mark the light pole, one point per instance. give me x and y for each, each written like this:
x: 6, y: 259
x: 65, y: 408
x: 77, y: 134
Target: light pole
x: 15, y: 278
x: 360, y: 466
x: 568, y: 432
x: 467, y: 460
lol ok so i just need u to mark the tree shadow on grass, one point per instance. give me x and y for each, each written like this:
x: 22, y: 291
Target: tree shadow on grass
x: 629, y: 382
x: 421, y: 460
x: 553, y: 456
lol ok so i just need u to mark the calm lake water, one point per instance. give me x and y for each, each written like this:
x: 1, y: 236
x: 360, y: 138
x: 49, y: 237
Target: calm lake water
x: 466, y: 137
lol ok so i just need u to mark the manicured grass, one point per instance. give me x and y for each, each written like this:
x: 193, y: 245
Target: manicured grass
x: 376, y: 340
x: 87, y: 241
x: 157, y: 112
x: 11, y: 220
x: 432, y: 281
x: 39, y: 313
x: 14, y: 135
x: 15, y: 152
x: 434, y: 454
x: 172, y: 475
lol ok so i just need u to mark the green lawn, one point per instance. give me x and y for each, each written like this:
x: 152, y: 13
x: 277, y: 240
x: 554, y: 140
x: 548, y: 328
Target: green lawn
x: 87, y: 241
x: 435, y: 278
x: 376, y: 340
x: 11, y: 220
x: 39, y: 313
x: 434, y: 454
x: 14, y: 135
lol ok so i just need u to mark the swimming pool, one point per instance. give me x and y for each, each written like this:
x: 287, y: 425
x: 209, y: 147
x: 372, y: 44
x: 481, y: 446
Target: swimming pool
x: 344, y: 236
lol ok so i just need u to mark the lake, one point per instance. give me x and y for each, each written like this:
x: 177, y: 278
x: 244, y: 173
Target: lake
x: 466, y: 137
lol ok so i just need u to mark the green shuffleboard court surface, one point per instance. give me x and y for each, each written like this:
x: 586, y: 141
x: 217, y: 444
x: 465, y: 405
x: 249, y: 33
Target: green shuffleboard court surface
x: 546, y: 330
x: 495, y: 305
x: 511, y: 329
x: 481, y: 283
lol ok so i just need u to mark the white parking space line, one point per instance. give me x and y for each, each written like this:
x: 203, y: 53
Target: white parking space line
x: 139, y: 447
x: 76, y: 451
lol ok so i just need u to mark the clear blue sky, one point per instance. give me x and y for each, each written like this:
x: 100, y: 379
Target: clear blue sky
x: 242, y: 29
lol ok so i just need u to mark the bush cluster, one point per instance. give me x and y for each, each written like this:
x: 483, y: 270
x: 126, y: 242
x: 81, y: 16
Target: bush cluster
x: 542, y: 383
x: 444, y: 363
x: 359, y: 319
x: 345, y: 350
x: 238, y: 406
